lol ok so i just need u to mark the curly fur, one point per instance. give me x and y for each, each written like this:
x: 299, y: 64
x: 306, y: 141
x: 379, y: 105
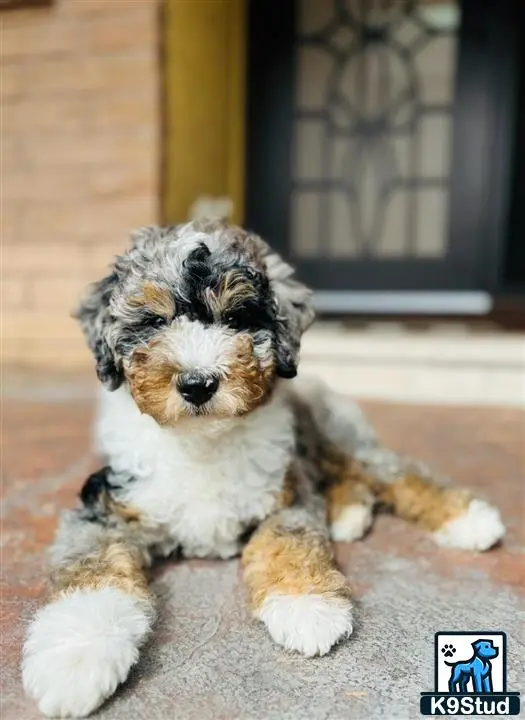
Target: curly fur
x: 211, y: 451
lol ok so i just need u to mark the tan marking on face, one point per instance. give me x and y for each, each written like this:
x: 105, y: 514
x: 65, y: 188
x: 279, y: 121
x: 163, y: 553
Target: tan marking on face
x: 233, y: 291
x: 114, y: 565
x: 151, y: 374
x: 246, y: 382
x: 290, y: 563
x: 159, y: 300
x: 418, y: 499
x: 151, y: 379
x: 156, y: 298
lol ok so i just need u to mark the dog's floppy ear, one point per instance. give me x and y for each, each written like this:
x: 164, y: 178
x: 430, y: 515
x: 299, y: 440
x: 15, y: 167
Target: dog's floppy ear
x: 295, y: 310
x: 94, y: 314
x: 94, y: 317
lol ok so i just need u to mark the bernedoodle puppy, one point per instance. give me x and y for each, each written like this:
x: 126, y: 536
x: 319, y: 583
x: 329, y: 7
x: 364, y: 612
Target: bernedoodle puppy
x: 213, y: 451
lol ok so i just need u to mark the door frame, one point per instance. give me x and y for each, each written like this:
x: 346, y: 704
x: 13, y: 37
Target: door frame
x: 203, y: 98
x: 491, y: 40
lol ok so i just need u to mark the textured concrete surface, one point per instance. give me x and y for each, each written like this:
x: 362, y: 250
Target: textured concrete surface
x: 209, y: 659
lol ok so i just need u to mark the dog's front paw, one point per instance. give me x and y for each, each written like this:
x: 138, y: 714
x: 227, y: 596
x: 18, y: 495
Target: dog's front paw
x: 80, y: 647
x: 308, y: 624
x: 478, y: 528
x: 352, y: 523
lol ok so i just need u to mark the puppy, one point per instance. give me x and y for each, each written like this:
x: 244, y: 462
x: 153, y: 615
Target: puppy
x: 213, y: 451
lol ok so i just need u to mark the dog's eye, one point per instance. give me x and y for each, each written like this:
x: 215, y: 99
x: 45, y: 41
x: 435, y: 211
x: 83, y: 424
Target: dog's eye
x: 155, y: 321
x: 248, y: 317
x: 159, y: 321
x: 231, y: 320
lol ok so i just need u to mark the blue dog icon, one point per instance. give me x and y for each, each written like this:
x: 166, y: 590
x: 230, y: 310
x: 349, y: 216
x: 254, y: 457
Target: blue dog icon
x: 478, y: 668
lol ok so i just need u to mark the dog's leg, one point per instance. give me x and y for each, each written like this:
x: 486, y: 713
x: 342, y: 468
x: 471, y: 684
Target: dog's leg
x: 454, y: 516
x: 295, y: 588
x: 82, y: 644
x: 350, y: 505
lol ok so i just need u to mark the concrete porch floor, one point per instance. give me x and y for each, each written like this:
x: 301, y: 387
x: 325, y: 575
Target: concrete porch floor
x: 209, y: 659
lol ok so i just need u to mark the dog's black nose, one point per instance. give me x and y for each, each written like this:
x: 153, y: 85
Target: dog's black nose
x: 197, y: 388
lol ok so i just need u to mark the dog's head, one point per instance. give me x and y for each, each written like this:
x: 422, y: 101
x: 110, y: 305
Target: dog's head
x: 198, y: 319
x: 485, y: 649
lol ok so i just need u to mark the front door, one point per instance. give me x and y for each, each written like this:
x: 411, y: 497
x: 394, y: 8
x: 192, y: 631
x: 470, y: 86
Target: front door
x: 367, y: 123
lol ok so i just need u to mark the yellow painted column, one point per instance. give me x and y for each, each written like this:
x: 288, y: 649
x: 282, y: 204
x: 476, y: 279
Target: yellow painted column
x: 204, y: 71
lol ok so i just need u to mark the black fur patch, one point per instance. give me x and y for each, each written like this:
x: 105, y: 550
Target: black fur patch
x: 106, y: 370
x: 93, y: 314
x: 95, y: 485
x: 102, y: 481
x: 286, y: 365
x: 203, y: 272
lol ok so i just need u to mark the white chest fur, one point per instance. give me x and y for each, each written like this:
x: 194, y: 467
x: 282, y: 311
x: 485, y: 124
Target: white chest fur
x: 204, y: 481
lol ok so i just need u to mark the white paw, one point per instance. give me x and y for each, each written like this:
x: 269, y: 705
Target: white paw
x: 80, y: 647
x: 309, y: 624
x: 352, y: 523
x: 478, y: 528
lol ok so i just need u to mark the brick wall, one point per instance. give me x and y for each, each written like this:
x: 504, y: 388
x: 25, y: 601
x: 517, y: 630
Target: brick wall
x: 79, y: 93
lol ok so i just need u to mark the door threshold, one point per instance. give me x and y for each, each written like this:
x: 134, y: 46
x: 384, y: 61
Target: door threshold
x: 403, y: 302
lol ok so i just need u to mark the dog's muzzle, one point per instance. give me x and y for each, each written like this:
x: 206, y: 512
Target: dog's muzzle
x: 197, y: 387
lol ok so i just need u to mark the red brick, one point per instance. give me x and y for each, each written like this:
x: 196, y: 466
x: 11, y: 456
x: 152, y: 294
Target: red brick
x: 122, y: 109
x: 100, y: 256
x: 74, y: 74
x: 29, y: 257
x: 13, y: 292
x: 28, y: 186
x: 80, y: 90
x: 136, y: 145
x: 60, y: 294
x: 9, y: 228
x: 113, y: 218
x: 135, y: 71
x: 109, y: 37
x: 122, y: 179
x: 43, y: 34
x: 66, y: 223
x: 32, y: 115
x: 71, y: 74
x: 10, y: 219
x: 58, y: 220
x: 12, y: 82
x: 32, y: 324
x: 64, y: 353
x: 110, y: 9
